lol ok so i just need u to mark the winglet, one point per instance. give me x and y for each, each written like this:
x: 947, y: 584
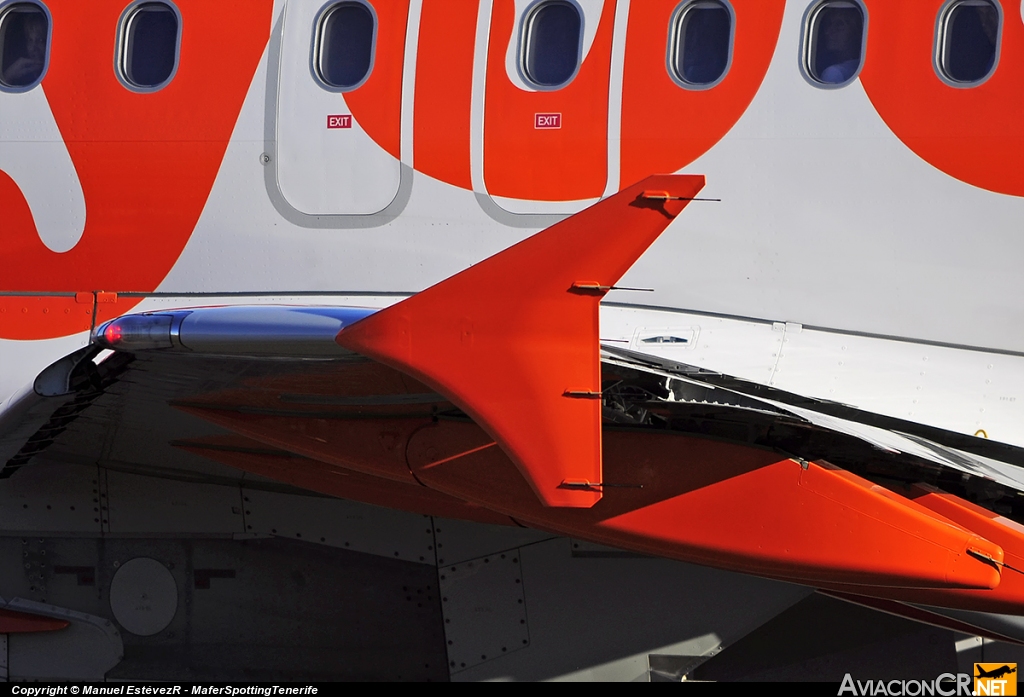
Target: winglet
x: 513, y: 340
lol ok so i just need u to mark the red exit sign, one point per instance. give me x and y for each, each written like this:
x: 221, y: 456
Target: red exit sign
x: 339, y: 121
x: 544, y: 121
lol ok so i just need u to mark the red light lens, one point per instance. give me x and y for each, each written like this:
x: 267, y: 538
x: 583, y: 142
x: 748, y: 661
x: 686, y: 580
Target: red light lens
x: 112, y: 334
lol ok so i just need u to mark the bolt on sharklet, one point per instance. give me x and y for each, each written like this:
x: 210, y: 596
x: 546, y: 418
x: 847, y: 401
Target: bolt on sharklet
x: 722, y: 290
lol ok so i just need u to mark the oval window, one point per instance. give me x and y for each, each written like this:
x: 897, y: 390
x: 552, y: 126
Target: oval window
x: 150, y: 36
x: 24, y: 42
x: 701, y: 43
x: 552, y: 43
x: 345, y: 45
x: 968, y: 39
x: 836, y: 42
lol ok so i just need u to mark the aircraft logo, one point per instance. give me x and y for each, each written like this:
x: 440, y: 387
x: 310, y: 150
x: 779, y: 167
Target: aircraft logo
x: 995, y: 679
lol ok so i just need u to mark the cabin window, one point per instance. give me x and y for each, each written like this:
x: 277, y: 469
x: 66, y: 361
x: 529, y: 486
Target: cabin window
x: 24, y: 45
x: 150, y: 37
x: 835, y: 42
x: 552, y: 44
x: 345, y: 43
x: 700, y: 43
x: 968, y: 41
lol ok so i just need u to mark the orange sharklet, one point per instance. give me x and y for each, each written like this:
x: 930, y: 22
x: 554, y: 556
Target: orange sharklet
x: 505, y: 339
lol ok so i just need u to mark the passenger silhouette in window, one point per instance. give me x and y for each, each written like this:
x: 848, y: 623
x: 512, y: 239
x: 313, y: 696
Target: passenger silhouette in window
x: 24, y: 43
x: 971, y: 33
x: 840, y: 33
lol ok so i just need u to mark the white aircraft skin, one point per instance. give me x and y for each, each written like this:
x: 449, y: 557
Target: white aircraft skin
x: 830, y: 260
x: 827, y: 221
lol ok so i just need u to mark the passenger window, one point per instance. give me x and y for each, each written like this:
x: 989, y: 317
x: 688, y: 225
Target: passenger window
x: 24, y: 35
x: 835, y: 42
x: 149, y: 45
x: 969, y: 35
x: 701, y: 43
x: 552, y: 43
x: 345, y: 43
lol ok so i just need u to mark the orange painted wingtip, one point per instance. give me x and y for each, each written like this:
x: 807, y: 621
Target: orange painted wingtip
x: 816, y: 523
x: 1006, y: 598
x: 513, y: 340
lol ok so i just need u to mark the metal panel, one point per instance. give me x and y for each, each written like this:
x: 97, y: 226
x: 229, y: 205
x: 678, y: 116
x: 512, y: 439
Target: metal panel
x: 584, y: 549
x: 140, y: 426
x: 299, y: 611
x: 735, y: 347
x: 341, y: 523
x: 956, y: 389
x: 459, y: 540
x: 139, y: 504
x: 30, y: 501
x: 601, y: 617
x: 253, y: 609
x: 963, y: 390
x: 484, y: 609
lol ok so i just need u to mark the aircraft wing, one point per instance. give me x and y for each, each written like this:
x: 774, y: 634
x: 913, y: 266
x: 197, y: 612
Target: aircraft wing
x: 311, y: 415
x: 488, y: 398
x: 240, y: 350
x: 231, y: 346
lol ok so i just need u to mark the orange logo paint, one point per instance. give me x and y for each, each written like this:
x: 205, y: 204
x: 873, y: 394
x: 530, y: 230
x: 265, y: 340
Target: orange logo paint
x: 971, y: 133
x: 146, y: 162
x: 664, y: 126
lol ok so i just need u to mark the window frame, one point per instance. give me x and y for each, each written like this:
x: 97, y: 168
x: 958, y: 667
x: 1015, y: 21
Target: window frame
x: 673, y: 44
x: 7, y: 6
x: 319, y: 24
x: 939, y: 48
x: 121, y: 46
x: 808, y: 43
x: 526, y: 22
